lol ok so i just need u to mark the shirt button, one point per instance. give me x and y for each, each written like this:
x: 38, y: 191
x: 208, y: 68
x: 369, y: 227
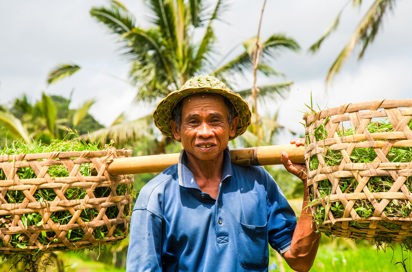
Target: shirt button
x: 220, y: 221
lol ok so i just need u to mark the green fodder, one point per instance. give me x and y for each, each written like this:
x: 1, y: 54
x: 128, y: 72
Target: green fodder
x: 396, y: 208
x: 48, y: 195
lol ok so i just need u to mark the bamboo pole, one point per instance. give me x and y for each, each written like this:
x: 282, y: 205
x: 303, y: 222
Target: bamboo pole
x: 262, y: 155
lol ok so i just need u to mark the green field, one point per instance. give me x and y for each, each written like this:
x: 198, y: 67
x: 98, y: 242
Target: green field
x: 342, y: 255
x: 338, y: 255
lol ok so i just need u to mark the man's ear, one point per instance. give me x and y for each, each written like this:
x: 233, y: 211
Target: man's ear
x: 233, y: 127
x: 175, y: 130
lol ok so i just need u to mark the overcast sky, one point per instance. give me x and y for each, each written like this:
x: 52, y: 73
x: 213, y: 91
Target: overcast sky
x: 37, y: 35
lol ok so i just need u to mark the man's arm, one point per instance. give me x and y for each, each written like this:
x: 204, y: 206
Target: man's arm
x: 144, y: 252
x: 305, y: 240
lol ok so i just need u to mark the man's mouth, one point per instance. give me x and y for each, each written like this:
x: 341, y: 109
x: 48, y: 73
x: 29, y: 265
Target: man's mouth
x: 205, y: 146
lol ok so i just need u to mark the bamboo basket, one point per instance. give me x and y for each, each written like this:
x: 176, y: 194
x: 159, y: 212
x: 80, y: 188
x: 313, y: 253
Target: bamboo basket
x: 344, y: 196
x: 94, y: 206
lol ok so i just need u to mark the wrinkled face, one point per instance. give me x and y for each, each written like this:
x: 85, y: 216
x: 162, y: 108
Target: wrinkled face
x: 205, y: 130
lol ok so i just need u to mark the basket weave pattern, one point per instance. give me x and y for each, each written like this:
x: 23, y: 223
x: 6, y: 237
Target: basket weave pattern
x: 345, y: 199
x: 31, y: 221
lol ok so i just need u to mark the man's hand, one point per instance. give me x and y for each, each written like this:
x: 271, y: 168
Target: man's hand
x: 298, y: 170
x: 305, y: 240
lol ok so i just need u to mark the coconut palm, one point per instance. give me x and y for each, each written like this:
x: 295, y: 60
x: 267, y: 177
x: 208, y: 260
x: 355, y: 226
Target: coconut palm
x: 179, y: 43
x: 363, y: 35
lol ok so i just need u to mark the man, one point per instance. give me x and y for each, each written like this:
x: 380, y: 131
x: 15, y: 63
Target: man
x: 206, y: 213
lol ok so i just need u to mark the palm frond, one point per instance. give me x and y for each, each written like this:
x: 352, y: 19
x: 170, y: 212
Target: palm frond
x: 195, y: 10
x: 152, y: 69
x: 61, y: 71
x: 15, y: 126
x: 82, y: 112
x: 119, y: 5
x: 49, y: 111
x: 117, y: 18
x: 364, y: 34
x: 269, y: 92
x: 239, y: 64
x: 375, y: 23
x: 271, y: 48
x: 205, y: 48
x: 124, y: 132
x: 121, y: 118
x: 268, y: 70
x: 163, y: 17
x: 203, y: 51
x: 275, y: 44
x: 334, y: 25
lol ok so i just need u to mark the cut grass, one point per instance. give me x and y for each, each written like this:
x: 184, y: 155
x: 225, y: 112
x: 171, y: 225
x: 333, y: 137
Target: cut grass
x: 396, y: 208
x: 48, y: 195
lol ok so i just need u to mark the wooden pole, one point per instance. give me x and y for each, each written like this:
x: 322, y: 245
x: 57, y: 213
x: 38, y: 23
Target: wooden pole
x: 262, y: 155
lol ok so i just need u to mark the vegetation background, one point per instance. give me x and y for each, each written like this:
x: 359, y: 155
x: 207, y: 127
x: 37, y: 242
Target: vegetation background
x: 180, y: 41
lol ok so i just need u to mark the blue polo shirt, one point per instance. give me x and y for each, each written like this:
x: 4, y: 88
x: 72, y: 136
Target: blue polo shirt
x: 177, y: 227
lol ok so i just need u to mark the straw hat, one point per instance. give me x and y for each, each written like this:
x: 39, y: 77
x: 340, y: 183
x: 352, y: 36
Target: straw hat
x: 200, y: 84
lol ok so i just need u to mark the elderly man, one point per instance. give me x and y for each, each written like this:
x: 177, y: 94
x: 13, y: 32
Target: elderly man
x: 206, y: 213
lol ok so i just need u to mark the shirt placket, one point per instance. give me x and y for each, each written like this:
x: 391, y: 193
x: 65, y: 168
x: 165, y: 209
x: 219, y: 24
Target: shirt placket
x: 222, y: 236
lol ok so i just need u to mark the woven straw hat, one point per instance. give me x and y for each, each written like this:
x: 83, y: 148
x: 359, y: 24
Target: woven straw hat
x: 200, y: 84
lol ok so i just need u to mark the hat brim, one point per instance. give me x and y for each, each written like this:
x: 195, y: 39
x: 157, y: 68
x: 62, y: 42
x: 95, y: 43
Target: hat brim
x: 163, y: 112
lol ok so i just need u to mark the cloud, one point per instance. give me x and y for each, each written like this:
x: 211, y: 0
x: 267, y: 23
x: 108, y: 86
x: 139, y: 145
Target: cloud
x: 38, y: 35
x: 370, y: 81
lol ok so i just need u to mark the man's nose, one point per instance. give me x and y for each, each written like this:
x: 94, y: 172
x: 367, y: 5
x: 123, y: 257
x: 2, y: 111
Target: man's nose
x: 205, y: 130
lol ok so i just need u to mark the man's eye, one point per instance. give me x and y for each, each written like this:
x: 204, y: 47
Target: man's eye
x: 215, y: 121
x: 193, y: 122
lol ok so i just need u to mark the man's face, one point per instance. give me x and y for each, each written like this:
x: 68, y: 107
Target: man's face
x: 205, y: 129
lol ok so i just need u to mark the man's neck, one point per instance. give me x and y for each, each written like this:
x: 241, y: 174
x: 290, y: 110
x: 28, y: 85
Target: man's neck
x: 207, y: 174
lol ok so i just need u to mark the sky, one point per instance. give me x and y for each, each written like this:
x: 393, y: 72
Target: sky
x: 38, y: 35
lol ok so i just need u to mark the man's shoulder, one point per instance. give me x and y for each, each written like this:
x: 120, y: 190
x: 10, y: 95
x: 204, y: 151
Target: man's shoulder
x: 156, y: 187
x: 252, y: 175
x: 250, y: 169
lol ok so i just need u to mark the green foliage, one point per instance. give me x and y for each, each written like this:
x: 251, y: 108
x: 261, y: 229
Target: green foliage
x: 46, y: 119
x: 13, y: 126
x: 343, y: 255
x: 363, y: 35
x: 62, y: 71
x: 291, y: 186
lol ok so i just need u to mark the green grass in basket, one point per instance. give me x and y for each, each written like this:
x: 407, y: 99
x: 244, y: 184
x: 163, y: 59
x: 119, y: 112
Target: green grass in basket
x: 45, y: 195
x: 364, y: 209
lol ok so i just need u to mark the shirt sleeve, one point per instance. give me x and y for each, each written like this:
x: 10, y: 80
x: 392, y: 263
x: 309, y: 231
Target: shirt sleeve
x: 281, y: 218
x: 144, y: 252
x: 145, y: 238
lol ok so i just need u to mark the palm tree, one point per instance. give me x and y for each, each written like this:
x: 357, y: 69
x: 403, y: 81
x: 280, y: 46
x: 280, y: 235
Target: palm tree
x: 179, y: 44
x: 13, y: 128
x: 46, y: 119
x: 363, y: 35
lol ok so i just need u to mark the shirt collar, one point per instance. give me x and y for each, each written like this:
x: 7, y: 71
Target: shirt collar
x: 186, y: 178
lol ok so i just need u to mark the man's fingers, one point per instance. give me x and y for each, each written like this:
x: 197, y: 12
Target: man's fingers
x: 287, y: 163
x: 298, y: 142
x: 297, y: 170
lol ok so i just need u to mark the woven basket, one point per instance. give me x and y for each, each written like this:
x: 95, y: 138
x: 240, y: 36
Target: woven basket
x: 80, y: 206
x: 352, y: 196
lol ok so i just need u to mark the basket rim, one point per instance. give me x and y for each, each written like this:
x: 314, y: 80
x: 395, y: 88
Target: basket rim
x: 63, y: 154
x: 358, y: 106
